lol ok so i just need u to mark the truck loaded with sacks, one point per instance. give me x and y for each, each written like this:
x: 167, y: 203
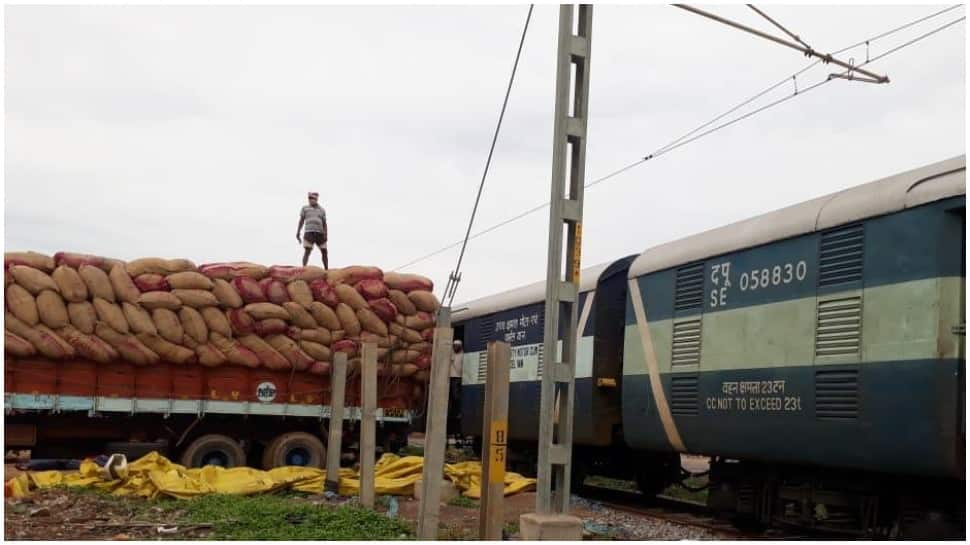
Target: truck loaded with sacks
x: 224, y: 363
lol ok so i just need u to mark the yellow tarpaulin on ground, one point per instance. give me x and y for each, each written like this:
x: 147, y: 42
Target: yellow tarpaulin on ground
x: 154, y: 475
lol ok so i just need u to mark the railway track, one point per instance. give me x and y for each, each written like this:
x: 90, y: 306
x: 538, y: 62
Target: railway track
x: 677, y: 511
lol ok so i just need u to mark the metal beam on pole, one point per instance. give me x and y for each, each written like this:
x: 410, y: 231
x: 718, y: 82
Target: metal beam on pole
x: 436, y: 428
x: 562, y: 279
x: 809, y: 52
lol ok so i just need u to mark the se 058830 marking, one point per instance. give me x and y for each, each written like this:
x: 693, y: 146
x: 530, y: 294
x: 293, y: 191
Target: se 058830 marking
x: 776, y: 275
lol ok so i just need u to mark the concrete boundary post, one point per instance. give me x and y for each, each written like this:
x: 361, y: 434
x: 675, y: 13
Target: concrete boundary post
x: 338, y: 383
x: 368, y: 422
x: 436, y: 433
x: 495, y: 436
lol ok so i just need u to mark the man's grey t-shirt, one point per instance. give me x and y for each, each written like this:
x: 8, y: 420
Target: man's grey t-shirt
x: 313, y: 218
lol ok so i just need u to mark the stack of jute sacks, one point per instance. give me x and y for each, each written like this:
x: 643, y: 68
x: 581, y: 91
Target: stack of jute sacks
x: 155, y: 310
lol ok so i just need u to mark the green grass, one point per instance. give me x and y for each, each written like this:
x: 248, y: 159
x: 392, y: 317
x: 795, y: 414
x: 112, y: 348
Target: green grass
x: 615, y: 484
x: 462, y: 501
x: 511, y: 528
x: 681, y: 493
x: 279, y: 518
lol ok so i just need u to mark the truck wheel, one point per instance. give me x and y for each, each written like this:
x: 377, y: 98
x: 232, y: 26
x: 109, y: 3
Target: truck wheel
x: 215, y: 450
x: 295, y: 449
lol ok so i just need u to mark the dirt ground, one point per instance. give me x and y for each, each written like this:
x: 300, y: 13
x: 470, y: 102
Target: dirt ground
x: 59, y: 514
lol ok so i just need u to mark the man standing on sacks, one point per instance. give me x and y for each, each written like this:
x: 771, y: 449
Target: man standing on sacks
x: 313, y: 222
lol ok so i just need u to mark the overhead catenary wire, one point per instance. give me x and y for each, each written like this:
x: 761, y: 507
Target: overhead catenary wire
x: 452, y: 286
x: 793, y: 77
x: 687, y: 138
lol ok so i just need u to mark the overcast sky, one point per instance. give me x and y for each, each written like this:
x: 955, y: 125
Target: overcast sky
x: 197, y: 131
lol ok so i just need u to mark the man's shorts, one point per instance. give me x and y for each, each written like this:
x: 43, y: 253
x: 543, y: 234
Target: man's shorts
x: 309, y: 239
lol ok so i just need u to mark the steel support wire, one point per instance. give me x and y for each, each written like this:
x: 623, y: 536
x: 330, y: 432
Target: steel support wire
x: 455, y: 277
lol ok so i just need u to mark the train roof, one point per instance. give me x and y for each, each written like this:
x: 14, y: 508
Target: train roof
x: 525, y: 295
x: 922, y: 185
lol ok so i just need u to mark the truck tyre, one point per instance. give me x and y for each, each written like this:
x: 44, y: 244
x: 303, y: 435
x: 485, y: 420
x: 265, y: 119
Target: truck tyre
x: 295, y: 449
x: 214, y: 449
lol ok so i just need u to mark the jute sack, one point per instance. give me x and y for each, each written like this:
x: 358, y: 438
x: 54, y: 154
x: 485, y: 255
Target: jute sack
x: 424, y: 300
x: 41, y: 337
x: 97, y: 282
x: 216, y: 321
x: 274, y: 290
x: 236, y: 353
x: 194, y: 324
x: 70, y: 284
x: 130, y: 348
x: 168, y: 325
x: 348, y: 320
x: 17, y: 346
x: 82, y: 316
x: 228, y: 271
x: 268, y: 356
x: 371, y: 322
x: 210, y: 356
x: 75, y: 261
x: 22, y: 304
x: 316, y: 351
x: 124, y: 287
x: 421, y: 320
x: 324, y: 293
x: 148, y: 265
x: 226, y: 294
x: 189, y: 280
x: 52, y: 310
x: 111, y: 314
x: 271, y: 326
x: 402, y: 303
x: 151, y: 282
x: 88, y: 347
x: 371, y: 289
x: 404, y: 356
x: 288, y: 274
x: 168, y: 351
x: 382, y: 341
x: 240, y: 321
x: 294, y: 355
x: 316, y: 335
x: 408, y: 282
x: 346, y: 346
x: 324, y: 315
x: 32, y: 280
x: 159, y: 299
x: 262, y: 311
x: 299, y: 315
x: 138, y: 318
x: 353, y: 274
x: 384, y: 309
x: 299, y: 291
x: 31, y: 259
x: 196, y: 298
x: 249, y: 290
x: 349, y: 296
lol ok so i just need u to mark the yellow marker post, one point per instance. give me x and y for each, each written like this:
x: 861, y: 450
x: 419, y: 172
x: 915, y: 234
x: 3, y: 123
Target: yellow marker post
x: 495, y: 432
x: 577, y: 254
